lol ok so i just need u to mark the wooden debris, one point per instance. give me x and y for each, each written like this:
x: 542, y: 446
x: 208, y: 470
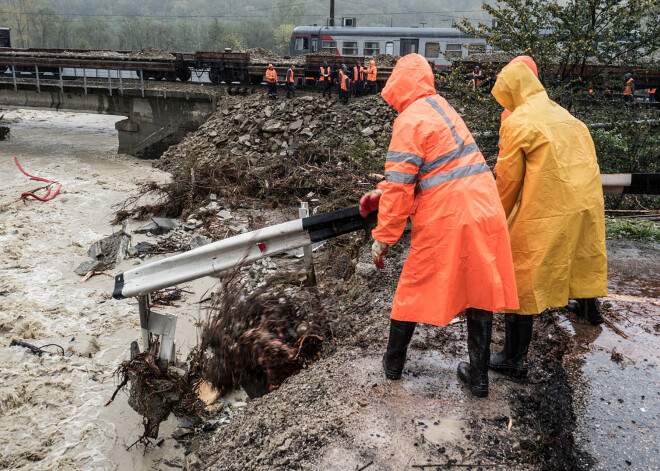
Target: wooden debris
x: 616, y: 329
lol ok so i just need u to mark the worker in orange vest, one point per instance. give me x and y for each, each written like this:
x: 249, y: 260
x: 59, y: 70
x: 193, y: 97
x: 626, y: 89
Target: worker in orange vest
x: 358, y: 79
x: 476, y: 79
x: 459, y: 260
x: 651, y: 95
x: 629, y: 90
x: 344, y: 84
x: 372, y: 74
x: 324, y: 79
x: 290, y: 82
x: 271, y: 79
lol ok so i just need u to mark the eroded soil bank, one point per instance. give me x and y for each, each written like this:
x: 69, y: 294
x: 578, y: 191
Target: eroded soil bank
x: 341, y: 413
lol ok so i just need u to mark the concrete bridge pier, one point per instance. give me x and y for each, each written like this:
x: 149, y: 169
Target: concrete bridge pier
x: 154, y: 123
x: 154, y: 120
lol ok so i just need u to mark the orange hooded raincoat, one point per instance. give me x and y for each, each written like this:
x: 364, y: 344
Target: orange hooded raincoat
x: 460, y: 255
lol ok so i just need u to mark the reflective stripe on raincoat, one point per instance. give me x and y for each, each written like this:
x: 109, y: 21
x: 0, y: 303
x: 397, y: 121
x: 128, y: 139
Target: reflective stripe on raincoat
x: 435, y: 174
x: 549, y: 183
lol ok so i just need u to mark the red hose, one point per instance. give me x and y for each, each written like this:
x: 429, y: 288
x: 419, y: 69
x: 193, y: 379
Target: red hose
x: 51, y: 184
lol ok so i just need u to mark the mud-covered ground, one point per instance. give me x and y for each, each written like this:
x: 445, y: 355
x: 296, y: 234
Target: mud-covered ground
x: 341, y: 413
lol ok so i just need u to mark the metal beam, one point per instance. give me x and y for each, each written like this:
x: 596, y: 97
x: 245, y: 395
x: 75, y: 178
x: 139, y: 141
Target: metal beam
x: 222, y: 256
x: 631, y: 183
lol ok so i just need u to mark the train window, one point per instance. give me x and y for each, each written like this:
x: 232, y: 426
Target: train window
x: 315, y: 45
x: 299, y: 44
x: 453, y: 51
x: 349, y: 48
x: 389, y: 48
x: 330, y: 47
x: 432, y: 50
x: 476, y: 49
x: 371, y: 48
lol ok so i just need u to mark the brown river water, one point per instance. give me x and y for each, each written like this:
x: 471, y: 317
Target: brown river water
x: 52, y: 413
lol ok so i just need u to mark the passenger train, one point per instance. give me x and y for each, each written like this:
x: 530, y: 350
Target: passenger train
x: 438, y: 45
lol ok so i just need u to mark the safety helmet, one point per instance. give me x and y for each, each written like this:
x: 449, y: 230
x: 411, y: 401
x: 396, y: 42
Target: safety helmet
x: 628, y: 76
x: 325, y: 64
x: 476, y: 67
x: 270, y: 66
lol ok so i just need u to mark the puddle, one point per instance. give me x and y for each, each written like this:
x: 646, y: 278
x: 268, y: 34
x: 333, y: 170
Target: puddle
x: 616, y: 380
x: 442, y: 430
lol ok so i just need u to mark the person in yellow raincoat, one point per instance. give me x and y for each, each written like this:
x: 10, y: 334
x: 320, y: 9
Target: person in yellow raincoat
x: 549, y: 184
x: 460, y: 257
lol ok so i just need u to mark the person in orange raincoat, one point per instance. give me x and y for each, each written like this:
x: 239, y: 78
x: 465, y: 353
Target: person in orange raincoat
x: 460, y: 258
x: 550, y: 187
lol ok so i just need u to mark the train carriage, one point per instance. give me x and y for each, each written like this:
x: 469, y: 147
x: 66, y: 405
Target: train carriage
x: 438, y: 45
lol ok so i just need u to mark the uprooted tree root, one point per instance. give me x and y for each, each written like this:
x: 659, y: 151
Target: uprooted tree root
x: 254, y: 341
x: 259, y: 340
x: 157, y: 390
x: 331, y: 175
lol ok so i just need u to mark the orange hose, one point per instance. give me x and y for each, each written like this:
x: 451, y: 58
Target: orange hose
x: 51, y: 184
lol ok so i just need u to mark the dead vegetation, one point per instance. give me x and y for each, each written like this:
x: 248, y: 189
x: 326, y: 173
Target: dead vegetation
x: 310, y: 171
x: 257, y: 339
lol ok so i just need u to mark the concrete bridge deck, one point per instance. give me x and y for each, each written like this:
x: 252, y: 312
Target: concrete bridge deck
x: 155, y: 118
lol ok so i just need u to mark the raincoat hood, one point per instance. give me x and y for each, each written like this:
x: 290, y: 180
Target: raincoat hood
x: 528, y: 61
x: 411, y: 79
x: 515, y: 85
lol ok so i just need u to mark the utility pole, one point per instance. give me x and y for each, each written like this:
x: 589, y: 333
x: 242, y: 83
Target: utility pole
x: 332, y: 12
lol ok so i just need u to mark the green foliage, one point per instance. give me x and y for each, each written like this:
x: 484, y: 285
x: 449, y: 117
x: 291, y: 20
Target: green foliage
x: 578, y: 39
x: 282, y: 38
x: 633, y: 229
x: 365, y: 156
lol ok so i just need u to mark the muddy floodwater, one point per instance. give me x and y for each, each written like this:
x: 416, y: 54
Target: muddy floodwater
x: 52, y: 413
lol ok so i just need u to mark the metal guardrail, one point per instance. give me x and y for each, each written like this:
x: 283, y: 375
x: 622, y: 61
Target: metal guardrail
x: 631, y: 183
x: 220, y: 257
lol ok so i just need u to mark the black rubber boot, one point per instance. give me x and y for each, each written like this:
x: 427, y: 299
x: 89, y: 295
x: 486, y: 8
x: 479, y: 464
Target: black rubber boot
x: 400, y: 334
x: 588, y: 308
x: 475, y: 373
x: 518, y: 334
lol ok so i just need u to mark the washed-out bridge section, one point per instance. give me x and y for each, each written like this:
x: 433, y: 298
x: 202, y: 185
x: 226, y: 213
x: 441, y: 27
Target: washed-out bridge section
x: 154, y: 119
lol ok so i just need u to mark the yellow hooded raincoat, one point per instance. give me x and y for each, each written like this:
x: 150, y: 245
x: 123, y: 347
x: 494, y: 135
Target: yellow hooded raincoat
x: 549, y: 184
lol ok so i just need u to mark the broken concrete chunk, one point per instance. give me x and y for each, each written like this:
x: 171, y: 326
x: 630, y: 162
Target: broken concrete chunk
x: 87, y: 266
x: 199, y: 240
x: 272, y: 126
x: 296, y: 125
x: 157, y: 226
x: 366, y: 132
x: 241, y: 228
x: 223, y: 214
x: 105, y: 253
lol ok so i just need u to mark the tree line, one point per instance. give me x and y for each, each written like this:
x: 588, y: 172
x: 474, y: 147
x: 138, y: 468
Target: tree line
x: 193, y: 25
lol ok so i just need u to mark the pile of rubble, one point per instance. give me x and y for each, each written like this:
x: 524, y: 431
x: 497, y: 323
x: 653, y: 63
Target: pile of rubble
x: 253, y: 148
x: 251, y: 130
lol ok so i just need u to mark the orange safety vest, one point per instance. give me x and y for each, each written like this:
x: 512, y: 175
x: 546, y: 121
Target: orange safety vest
x: 652, y: 91
x: 372, y: 72
x: 342, y: 78
x: 289, y: 76
x: 271, y: 75
x: 323, y: 72
x: 436, y: 175
x: 357, y: 73
x: 628, y: 90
